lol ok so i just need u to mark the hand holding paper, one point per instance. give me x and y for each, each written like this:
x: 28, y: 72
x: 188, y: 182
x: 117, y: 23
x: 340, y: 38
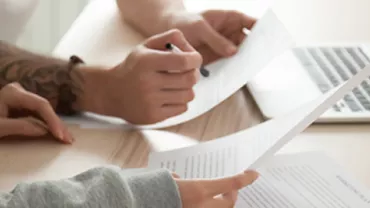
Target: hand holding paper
x: 251, y: 148
x: 217, y: 193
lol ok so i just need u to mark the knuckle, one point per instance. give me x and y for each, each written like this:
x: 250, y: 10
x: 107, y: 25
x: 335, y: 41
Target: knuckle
x: 134, y: 57
x: 191, y: 79
x: 190, y: 61
x: 189, y: 95
x: 199, y: 23
x: 14, y: 86
x: 184, y: 61
x: 199, y: 59
x: 11, y: 91
x: 43, y: 103
x: 176, y: 33
x: 184, y: 109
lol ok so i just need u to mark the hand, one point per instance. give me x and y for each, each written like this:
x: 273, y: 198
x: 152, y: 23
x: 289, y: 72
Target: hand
x: 213, y: 33
x: 16, y: 104
x: 141, y: 90
x: 217, y: 193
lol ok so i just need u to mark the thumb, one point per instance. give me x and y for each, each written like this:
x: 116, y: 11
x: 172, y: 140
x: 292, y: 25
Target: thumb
x: 217, y: 42
x: 22, y: 126
x: 174, y: 36
x: 174, y: 175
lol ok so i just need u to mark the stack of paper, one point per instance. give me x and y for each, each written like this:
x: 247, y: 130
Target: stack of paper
x: 283, y: 184
x: 252, y: 148
x: 303, y: 180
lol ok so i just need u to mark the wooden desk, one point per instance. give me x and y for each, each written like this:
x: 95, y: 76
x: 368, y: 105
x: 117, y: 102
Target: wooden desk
x: 43, y: 160
x: 47, y: 159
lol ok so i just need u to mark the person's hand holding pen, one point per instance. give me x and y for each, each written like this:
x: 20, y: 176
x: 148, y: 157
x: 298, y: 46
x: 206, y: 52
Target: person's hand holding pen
x: 142, y: 89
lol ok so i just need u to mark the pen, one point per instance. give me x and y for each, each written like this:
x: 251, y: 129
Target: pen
x: 204, y: 72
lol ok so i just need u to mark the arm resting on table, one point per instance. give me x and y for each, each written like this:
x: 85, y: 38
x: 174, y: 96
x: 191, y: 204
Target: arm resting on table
x: 108, y: 187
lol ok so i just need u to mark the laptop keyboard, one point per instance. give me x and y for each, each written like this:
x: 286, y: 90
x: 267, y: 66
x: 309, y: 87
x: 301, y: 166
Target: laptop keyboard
x: 329, y: 67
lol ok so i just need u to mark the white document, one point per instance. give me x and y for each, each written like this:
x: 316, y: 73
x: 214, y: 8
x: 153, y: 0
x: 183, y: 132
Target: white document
x: 306, y: 180
x: 268, y: 39
x: 248, y: 149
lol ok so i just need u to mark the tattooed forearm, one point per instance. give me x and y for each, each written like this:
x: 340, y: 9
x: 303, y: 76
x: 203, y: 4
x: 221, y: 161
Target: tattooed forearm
x: 48, y: 77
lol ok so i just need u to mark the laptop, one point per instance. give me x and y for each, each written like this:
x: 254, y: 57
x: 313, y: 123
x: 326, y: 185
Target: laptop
x: 303, y: 73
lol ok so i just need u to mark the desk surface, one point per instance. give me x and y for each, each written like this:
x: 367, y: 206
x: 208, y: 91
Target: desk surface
x: 45, y: 159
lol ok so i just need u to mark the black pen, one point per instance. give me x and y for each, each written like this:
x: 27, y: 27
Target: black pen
x: 204, y: 72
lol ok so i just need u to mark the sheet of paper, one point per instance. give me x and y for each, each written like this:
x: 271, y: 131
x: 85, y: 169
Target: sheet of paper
x: 250, y: 148
x: 268, y: 39
x: 304, y: 180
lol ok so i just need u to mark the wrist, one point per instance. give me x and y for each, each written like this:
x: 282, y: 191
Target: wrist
x: 91, y: 97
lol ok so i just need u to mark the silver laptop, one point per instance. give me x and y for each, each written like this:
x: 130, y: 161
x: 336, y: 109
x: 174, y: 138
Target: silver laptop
x: 303, y: 73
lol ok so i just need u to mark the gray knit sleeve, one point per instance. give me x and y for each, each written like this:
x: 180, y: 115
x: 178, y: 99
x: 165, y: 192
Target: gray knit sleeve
x: 105, y: 187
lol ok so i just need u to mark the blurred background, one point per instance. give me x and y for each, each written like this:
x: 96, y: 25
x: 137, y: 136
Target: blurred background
x: 49, y: 23
x: 52, y: 19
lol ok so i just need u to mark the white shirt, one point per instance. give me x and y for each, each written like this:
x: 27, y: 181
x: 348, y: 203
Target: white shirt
x: 14, y: 15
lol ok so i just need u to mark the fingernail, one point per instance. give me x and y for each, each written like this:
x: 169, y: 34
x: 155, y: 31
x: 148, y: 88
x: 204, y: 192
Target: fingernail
x: 60, y: 134
x: 69, y: 138
x: 72, y: 139
x: 231, y: 50
x: 252, y: 172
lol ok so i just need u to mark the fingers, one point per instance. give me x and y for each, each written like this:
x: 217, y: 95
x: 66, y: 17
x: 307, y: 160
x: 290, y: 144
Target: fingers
x: 225, y: 185
x: 14, y: 96
x: 178, y: 97
x: 179, y: 81
x: 246, y: 21
x: 227, y: 200
x: 237, y: 38
x: 169, y: 61
x: 175, y: 36
x: 208, y: 54
x: 173, y: 110
x: 174, y: 175
x: 240, y: 38
x: 217, y: 42
x: 176, y: 102
x: 20, y: 127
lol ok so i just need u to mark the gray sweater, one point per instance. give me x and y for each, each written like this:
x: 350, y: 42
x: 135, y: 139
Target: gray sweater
x: 105, y: 187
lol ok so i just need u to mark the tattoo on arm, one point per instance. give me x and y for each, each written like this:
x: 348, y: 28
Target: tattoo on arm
x: 50, y: 78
